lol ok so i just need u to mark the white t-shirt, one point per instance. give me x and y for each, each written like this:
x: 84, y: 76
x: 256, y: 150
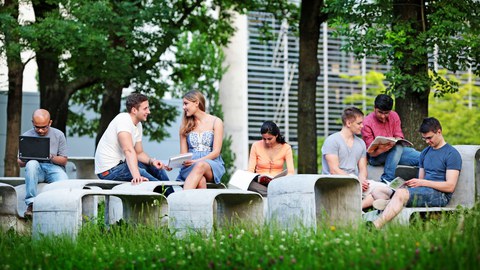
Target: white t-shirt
x: 109, y: 151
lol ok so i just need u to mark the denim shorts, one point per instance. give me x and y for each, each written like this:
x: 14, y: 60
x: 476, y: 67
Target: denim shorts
x: 427, y: 197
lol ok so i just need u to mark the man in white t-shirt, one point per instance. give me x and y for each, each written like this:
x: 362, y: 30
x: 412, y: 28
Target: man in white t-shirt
x: 120, y: 155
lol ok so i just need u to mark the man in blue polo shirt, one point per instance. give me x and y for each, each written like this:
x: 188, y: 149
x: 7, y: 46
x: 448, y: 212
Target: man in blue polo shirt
x: 440, y: 165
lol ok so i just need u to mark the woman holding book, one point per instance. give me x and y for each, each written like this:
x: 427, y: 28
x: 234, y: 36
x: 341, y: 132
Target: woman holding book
x: 201, y: 134
x: 269, y: 156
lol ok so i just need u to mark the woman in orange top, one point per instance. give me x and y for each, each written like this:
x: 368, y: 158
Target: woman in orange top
x: 269, y: 155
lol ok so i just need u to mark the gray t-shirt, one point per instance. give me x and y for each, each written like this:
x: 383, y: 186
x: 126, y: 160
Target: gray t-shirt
x: 347, y: 157
x: 58, y: 143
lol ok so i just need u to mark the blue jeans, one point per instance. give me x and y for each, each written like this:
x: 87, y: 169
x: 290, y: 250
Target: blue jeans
x: 398, y: 155
x: 427, y: 197
x: 37, y: 172
x: 122, y: 173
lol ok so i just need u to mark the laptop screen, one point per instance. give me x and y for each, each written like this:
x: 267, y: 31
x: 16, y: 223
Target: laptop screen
x: 37, y: 148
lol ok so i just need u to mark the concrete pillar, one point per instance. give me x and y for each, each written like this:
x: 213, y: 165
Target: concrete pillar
x: 234, y: 92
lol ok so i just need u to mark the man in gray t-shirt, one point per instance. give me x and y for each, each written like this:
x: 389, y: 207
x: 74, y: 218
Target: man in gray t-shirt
x: 44, y: 171
x: 344, y: 153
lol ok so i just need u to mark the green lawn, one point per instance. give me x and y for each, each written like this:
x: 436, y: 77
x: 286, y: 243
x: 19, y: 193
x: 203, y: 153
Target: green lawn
x: 448, y: 241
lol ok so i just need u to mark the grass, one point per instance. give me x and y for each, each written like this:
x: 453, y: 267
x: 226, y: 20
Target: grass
x: 448, y: 241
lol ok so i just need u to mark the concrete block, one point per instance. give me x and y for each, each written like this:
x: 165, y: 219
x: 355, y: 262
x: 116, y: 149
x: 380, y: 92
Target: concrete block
x: 84, y: 167
x: 404, y: 171
x: 216, y: 186
x: 8, y: 207
x: 14, y: 181
x: 61, y: 211
x: 115, y: 204
x: 82, y: 184
x: 309, y: 200
x: 21, y: 192
x: 204, y: 209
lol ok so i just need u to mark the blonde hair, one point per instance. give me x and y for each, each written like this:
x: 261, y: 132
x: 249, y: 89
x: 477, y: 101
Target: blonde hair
x: 189, y: 123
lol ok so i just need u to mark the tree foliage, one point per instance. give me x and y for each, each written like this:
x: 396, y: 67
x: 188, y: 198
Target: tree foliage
x: 88, y: 52
x: 458, y: 112
x: 405, y: 34
x: 451, y: 34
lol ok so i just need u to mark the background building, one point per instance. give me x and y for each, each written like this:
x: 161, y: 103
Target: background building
x: 262, y: 81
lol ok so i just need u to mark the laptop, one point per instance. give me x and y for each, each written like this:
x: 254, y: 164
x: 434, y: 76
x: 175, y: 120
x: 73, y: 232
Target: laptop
x: 36, y: 148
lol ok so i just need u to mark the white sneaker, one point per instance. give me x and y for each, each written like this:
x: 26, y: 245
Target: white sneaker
x: 380, y: 204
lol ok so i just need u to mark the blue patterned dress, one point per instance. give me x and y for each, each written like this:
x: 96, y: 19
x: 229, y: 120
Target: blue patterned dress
x: 201, y: 144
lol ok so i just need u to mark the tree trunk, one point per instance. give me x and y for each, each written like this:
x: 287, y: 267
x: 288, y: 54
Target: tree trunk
x: 413, y: 106
x: 111, y: 101
x: 308, y: 72
x: 14, y: 105
x: 53, y: 96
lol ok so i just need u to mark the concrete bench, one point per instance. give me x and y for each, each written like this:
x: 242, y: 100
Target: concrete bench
x: 21, y: 193
x: 309, y: 200
x: 204, y: 209
x: 61, y: 211
x: 404, y: 171
x: 153, y: 186
x: 82, y: 184
x: 90, y: 203
x: 14, y: 181
x: 115, y: 204
x: 8, y: 209
x: 464, y: 194
x: 216, y: 186
x: 84, y: 167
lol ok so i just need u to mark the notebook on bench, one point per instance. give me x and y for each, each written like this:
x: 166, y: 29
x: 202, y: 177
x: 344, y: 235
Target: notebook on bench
x: 36, y: 148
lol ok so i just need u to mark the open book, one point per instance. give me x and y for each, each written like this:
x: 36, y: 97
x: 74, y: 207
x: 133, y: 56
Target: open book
x: 398, y: 182
x: 177, y: 161
x: 381, y: 140
x: 242, y: 179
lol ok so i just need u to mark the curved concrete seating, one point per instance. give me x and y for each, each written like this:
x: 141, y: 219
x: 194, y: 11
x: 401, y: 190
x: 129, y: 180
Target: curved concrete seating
x: 61, y: 211
x: 464, y: 194
x: 404, y: 171
x: 84, y: 167
x: 12, y: 206
x: 21, y: 192
x: 216, y: 186
x: 82, y: 184
x: 202, y: 209
x: 115, y: 204
x: 8, y: 207
x: 11, y: 180
x: 90, y: 203
x: 310, y: 200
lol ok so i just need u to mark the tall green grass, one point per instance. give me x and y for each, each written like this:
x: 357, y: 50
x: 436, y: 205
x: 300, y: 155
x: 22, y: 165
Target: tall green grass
x: 447, y: 241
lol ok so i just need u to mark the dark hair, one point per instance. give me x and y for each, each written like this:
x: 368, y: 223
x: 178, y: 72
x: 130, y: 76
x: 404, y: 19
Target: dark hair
x: 134, y: 100
x: 430, y: 124
x: 383, y: 102
x: 350, y: 113
x: 271, y: 128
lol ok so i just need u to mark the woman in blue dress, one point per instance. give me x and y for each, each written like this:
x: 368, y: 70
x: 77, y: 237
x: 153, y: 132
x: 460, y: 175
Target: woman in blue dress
x: 201, y: 134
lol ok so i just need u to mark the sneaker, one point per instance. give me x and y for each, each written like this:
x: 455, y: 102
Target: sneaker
x: 29, y: 213
x: 380, y: 204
